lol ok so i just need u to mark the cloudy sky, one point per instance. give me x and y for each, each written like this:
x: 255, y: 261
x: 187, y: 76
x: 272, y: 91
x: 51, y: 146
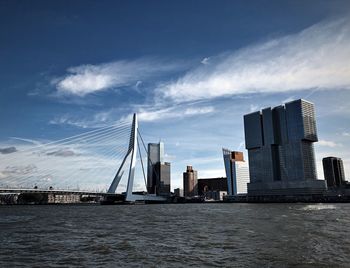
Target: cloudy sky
x: 190, y: 69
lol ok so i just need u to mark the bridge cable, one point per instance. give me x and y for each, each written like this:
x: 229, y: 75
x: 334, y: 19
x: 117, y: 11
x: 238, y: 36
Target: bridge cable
x: 149, y: 160
x: 143, y: 169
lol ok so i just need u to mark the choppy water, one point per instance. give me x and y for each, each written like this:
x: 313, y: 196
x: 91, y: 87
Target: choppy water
x: 179, y: 235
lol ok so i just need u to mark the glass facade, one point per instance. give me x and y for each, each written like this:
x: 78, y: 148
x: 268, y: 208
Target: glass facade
x: 333, y: 169
x: 158, y: 172
x: 280, y: 145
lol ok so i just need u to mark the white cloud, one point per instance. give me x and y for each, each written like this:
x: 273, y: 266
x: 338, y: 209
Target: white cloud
x: 326, y: 143
x: 346, y: 134
x: 172, y: 112
x: 317, y: 57
x: 148, y: 113
x: 254, y: 108
x: 205, y: 61
x: 201, y: 110
x: 86, y: 79
x: 100, y: 119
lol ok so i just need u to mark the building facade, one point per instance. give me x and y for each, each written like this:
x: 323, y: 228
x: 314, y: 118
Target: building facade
x: 162, y: 185
x: 333, y: 170
x: 280, y: 149
x: 190, y: 182
x: 237, y: 172
x: 212, y: 188
x: 158, y: 171
x: 212, y: 184
x: 178, y: 192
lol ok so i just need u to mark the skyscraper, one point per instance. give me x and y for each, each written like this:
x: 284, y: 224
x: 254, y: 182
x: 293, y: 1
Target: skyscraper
x: 237, y: 172
x: 190, y: 182
x: 280, y: 149
x: 158, y: 172
x: 163, y: 181
x: 333, y: 171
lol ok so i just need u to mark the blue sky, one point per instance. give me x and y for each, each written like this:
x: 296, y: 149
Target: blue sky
x: 190, y: 69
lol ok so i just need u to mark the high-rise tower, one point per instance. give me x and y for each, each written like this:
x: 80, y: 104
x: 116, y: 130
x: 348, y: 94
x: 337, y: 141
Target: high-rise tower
x: 237, y: 172
x: 280, y: 149
x: 333, y: 171
x: 190, y: 182
x: 158, y: 172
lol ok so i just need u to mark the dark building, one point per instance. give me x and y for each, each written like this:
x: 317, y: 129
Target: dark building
x: 333, y: 172
x: 280, y: 149
x: 212, y: 184
x: 163, y: 183
x: 190, y: 182
x: 155, y: 155
x: 158, y: 172
x: 178, y: 192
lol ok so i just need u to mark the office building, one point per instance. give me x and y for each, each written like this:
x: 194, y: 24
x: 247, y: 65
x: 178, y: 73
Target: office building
x: 158, y: 172
x: 280, y: 150
x: 237, y: 172
x: 212, y: 188
x: 190, y: 182
x: 211, y: 184
x: 162, y: 185
x: 178, y: 192
x: 333, y: 172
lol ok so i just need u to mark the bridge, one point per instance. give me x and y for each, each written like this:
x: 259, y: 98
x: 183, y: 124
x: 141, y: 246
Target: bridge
x: 88, y: 160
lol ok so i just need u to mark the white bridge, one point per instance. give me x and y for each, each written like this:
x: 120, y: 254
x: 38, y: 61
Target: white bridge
x: 53, y: 162
x: 132, y: 151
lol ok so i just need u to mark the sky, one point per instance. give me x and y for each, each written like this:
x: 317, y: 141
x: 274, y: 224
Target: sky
x: 189, y: 69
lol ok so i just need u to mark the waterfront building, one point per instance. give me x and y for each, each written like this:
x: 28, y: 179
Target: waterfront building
x: 63, y: 198
x: 212, y: 188
x: 237, y: 172
x: 162, y: 185
x: 158, y: 172
x: 211, y: 184
x: 190, y: 182
x: 178, y: 192
x: 280, y: 150
x: 333, y: 171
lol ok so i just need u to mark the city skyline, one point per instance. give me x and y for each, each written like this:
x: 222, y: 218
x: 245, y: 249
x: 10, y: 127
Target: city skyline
x: 190, y: 77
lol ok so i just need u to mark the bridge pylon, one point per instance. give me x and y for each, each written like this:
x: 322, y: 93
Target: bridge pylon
x: 132, y: 151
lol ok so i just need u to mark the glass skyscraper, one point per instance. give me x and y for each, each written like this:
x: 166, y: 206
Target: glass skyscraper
x: 333, y: 169
x: 158, y: 172
x: 280, y: 149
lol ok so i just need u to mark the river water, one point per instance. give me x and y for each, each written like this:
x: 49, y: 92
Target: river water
x: 176, y: 235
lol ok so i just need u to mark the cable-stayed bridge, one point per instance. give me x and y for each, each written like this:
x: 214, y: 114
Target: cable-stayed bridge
x: 101, y: 161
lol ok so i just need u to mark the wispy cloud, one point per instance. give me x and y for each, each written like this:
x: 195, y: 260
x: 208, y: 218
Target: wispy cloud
x: 205, y: 61
x: 146, y: 113
x: 326, y: 143
x: 149, y: 115
x: 100, y: 119
x: 317, y: 57
x: 85, y: 79
x: 63, y: 153
x: 26, y: 140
